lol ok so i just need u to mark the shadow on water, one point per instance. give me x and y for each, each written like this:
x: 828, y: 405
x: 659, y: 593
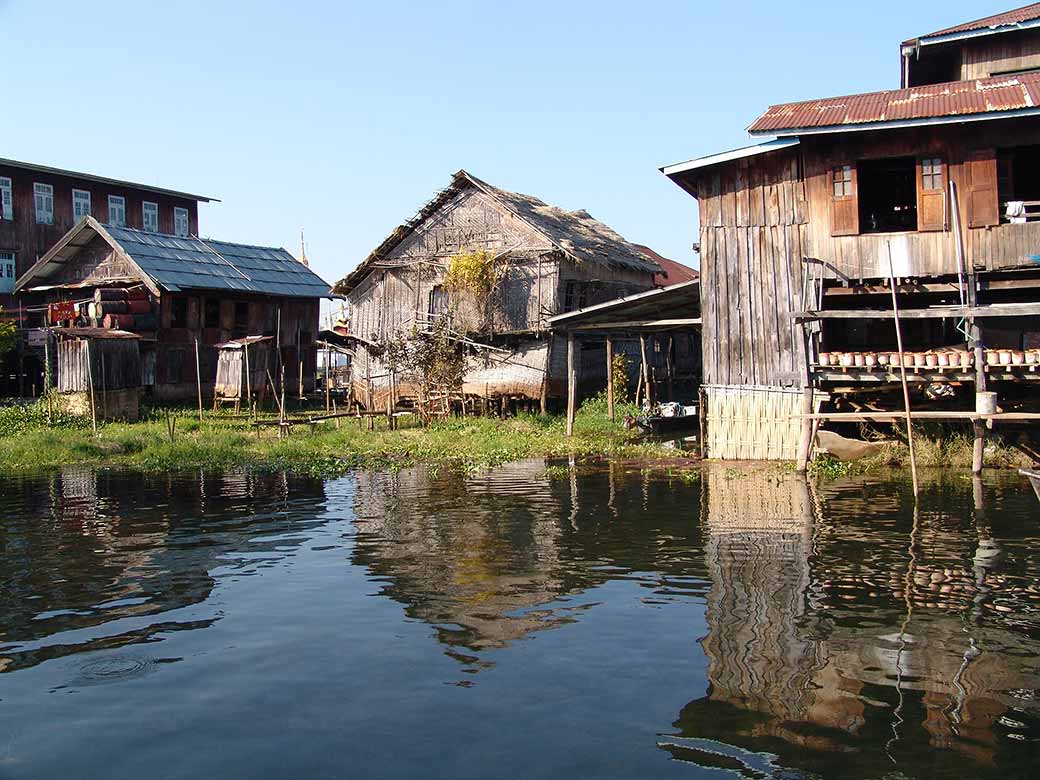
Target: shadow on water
x: 838, y: 632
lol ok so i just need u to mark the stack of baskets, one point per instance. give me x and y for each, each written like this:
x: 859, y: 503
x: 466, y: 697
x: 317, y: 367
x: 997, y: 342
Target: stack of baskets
x: 122, y: 309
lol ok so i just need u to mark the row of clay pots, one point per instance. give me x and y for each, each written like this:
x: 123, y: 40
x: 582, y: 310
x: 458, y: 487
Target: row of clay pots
x: 931, y: 359
x: 935, y: 359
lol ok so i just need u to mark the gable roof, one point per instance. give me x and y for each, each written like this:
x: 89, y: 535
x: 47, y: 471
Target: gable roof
x: 997, y: 23
x: 176, y: 263
x: 997, y: 97
x: 575, y: 233
x: 672, y: 272
x: 103, y: 180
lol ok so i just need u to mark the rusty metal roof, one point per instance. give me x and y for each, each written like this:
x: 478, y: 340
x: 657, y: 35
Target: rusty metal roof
x: 932, y: 104
x: 1002, y: 22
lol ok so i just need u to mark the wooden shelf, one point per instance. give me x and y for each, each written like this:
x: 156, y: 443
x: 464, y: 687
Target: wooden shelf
x: 932, y: 312
x: 921, y: 415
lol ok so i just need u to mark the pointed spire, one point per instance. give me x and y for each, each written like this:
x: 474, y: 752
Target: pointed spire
x: 303, y: 250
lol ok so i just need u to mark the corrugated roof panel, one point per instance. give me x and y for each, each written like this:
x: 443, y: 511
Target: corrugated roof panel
x: 179, y: 263
x: 957, y: 98
x: 1007, y: 18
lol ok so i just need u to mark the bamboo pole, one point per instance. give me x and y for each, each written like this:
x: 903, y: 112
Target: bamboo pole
x: 90, y: 381
x: 198, y: 377
x: 572, y: 384
x: 249, y: 386
x: 299, y: 363
x: 610, y: 379
x: 328, y: 392
x: 902, y: 373
x: 670, y: 369
x: 646, y: 369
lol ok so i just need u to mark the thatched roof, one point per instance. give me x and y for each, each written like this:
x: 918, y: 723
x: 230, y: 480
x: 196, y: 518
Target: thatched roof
x: 575, y: 233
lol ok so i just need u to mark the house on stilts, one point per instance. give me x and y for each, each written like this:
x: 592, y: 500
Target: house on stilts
x: 183, y: 297
x: 542, y: 261
x: 933, y: 189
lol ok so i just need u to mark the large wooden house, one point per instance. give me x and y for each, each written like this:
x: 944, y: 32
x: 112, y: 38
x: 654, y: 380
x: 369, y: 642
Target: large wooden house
x: 40, y: 203
x: 552, y: 261
x: 936, y: 185
x: 181, y: 294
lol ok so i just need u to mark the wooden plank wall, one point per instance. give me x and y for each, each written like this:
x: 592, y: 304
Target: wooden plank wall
x: 999, y: 54
x: 115, y: 364
x: 753, y: 216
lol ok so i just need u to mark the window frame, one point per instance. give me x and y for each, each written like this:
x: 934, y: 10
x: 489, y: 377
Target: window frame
x: 932, y: 167
x: 45, y: 191
x: 848, y: 184
x: 122, y: 209
x: 8, y: 271
x: 6, y: 198
x: 76, y: 192
x: 144, y: 216
x: 178, y: 213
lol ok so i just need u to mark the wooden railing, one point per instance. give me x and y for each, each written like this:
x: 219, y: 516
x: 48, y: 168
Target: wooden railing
x: 1030, y: 212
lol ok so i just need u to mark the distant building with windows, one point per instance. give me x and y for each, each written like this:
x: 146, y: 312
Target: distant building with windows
x: 39, y: 204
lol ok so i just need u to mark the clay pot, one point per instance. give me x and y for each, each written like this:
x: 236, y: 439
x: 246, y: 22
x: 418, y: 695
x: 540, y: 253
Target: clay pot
x: 869, y: 359
x: 825, y: 358
x: 858, y: 360
x: 943, y: 359
x: 1005, y: 357
x: 919, y: 360
x: 1030, y: 356
x: 992, y: 357
x: 882, y: 359
x: 1018, y: 357
x: 931, y: 359
x: 847, y: 359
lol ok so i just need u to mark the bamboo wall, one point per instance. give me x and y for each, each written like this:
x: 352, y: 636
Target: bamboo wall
x: 751, y: 423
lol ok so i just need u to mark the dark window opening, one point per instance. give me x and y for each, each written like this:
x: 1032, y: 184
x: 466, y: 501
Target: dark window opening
x: 1018, y: 182
x: 211, y: 315
x: 241, y: 315
x: 437, y: 302
x: 174, y: 366
x: 575, y: 296
x: 887, y: 195
x: 179, y: 313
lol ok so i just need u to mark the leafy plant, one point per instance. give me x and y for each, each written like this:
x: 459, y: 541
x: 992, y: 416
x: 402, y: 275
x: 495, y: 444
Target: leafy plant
x: 8, y: 333
x: 619, y: 372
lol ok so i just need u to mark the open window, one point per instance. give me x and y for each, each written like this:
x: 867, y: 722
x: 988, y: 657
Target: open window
x: 1018, y: 184
x: 887, y: 192
x: 179, y: 313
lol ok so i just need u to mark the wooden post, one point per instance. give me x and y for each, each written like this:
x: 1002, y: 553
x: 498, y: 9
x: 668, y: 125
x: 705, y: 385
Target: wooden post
x: 299, y: 363
x: 104, y: 389
x: 978, y: 450
x: 646, y: 369
x: 249, y: 386
x: 328, y: 390
x: 670, y: 370
x: 90, y: 381
x: 610, y: 379
x: 902, y: 373
x: 544, y: 400
x: 572, y: 384
x: 198, y: 377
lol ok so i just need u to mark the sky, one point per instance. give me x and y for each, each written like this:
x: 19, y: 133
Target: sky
x: 344, y: 118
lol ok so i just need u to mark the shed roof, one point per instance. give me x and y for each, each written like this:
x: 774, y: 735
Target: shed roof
x: 997, y: 97
x: 997, y: 23
x: 102, y: 180
x: 675, y: 306
x: 175, y: 263
x: 575, y: 233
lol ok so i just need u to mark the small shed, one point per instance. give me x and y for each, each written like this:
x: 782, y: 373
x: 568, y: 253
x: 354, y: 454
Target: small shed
x: 100, y: 368
x: 243, y: 366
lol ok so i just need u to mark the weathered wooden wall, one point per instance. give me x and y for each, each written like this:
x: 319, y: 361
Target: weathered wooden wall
x: 753, y: 220
x: 114, y: 364
x: 1013, y: 51
x: 395, y: 296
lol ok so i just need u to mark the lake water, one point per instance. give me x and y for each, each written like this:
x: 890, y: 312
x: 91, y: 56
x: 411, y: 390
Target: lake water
x: 609, y: 624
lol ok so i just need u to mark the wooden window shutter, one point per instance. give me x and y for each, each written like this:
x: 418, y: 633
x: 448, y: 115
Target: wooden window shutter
x: 931, y: 194
x: 844, y: 201
x: 983, y: 204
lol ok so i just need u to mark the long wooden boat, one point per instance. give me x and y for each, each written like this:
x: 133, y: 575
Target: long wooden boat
x: 1034, y: 479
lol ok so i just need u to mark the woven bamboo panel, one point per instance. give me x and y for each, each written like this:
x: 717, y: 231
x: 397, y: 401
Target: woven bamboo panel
x: 752, y: 423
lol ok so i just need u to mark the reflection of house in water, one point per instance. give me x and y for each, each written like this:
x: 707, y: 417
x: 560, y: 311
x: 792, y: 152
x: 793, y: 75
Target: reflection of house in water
x: 490, y: 575
x: 829, y: 635
x: 91, y: 548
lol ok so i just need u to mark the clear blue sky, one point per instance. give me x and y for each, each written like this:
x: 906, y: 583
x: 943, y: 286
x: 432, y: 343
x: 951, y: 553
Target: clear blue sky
x: 345, y: 117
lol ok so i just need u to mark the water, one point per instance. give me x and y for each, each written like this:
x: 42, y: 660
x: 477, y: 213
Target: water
x: 610, y: 624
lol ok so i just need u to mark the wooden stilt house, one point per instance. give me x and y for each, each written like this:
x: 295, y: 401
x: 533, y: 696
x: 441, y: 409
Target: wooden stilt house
x: 932, y: 190
x: 544, y: 260
x: 183, y: 296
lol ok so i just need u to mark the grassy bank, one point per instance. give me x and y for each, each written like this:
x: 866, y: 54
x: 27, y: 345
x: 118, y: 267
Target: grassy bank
x: 30, y: 441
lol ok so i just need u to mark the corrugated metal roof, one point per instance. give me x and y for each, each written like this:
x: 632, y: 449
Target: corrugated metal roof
x: 103, y: 180
x: 184, y: 263
x: 968, y: 99
x: 992, y: 23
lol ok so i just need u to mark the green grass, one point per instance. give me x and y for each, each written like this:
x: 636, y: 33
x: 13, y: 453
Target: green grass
x: 223, y: 440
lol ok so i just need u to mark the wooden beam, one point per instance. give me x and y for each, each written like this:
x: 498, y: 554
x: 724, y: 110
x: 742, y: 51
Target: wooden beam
x: 899, y: 416
x: 572, y: 384
x: 933, y: 312
x: 678, y: 322
x: 610, y: 379
x: 646, y: 368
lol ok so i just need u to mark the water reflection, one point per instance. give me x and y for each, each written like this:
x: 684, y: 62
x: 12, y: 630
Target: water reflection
x: 849, y: 634
x: 91, y: 556
x: 744, y: 622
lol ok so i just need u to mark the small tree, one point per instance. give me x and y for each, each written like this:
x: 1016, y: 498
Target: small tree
x: 619, y: 372
x: 8, y: 334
